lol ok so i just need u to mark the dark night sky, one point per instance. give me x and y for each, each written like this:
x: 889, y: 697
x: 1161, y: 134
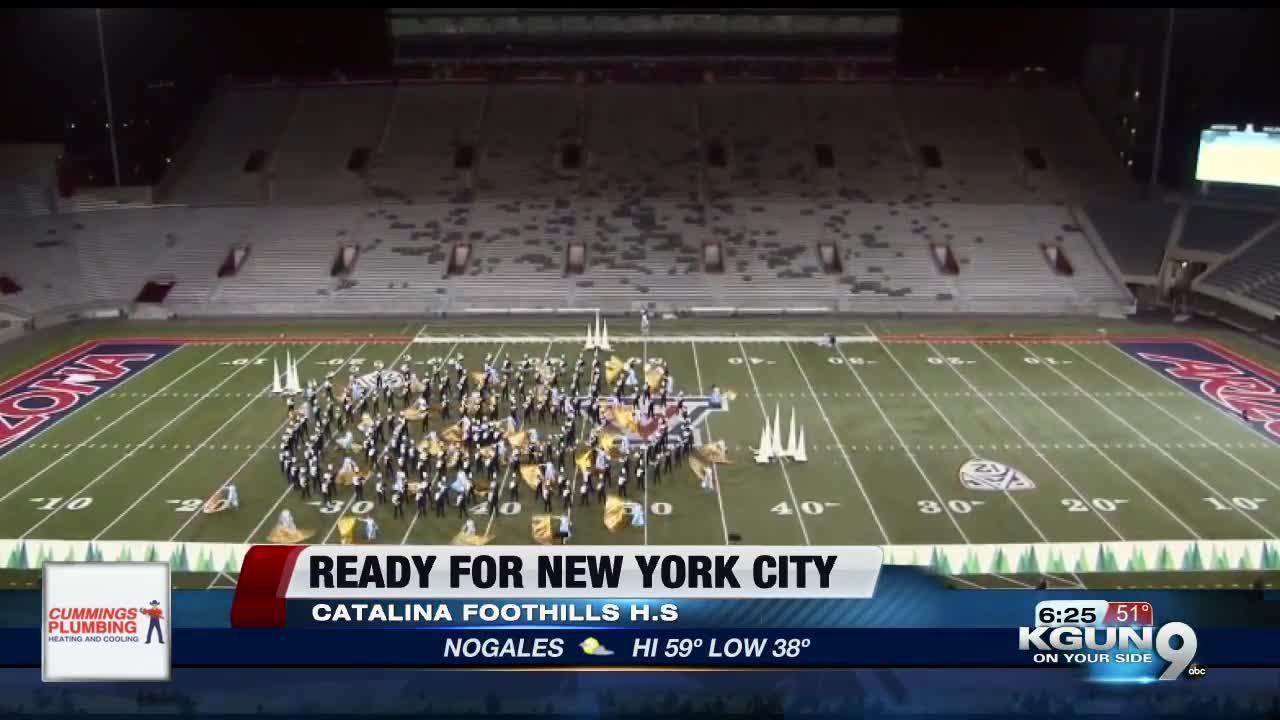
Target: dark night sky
x: 1225, y: 62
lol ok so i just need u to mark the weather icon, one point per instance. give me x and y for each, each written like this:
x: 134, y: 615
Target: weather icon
x: 592, y: 646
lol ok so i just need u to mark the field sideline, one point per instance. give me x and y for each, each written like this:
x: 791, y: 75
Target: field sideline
x: 1116, y: 449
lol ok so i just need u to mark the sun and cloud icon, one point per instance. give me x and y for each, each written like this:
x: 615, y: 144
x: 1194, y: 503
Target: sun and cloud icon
x: 592, y: 647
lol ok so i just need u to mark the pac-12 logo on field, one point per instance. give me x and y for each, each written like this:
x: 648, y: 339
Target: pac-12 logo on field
x: 37, y: 399
x: 989, y: 475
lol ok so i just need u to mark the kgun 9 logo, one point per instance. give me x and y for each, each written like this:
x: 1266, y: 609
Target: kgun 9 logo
x: 1089, y: 645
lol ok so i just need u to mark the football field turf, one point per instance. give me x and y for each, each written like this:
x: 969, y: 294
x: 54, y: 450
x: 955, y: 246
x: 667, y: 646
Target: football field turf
x: 1108, y: 443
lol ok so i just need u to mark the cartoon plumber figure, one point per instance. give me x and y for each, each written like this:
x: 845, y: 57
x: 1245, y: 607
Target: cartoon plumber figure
x: 156, y: 614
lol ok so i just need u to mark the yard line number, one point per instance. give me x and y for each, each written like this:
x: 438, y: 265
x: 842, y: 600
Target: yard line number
x: 957, y: 506
x: 55, y: 503
x: 1236, y: 503
x: 808, y: 507
x: 1100, y: 504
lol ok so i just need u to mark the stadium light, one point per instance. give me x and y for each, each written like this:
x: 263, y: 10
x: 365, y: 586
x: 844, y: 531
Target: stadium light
x: 106, y: 90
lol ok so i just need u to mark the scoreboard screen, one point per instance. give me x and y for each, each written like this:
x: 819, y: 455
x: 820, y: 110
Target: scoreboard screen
x: 1239, y: 154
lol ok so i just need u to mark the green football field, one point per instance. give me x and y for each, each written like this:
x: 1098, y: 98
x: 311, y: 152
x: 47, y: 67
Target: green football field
x: 1113, y: 449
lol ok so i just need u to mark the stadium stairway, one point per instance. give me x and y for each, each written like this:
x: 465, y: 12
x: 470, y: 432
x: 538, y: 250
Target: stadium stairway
x: 310, y: 162
x: 525, y: 127
x: 666, y: 166
x: 242, y: 121
x: 415, y: 159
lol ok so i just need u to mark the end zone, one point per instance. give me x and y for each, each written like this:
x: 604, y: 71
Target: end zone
x: 37, y: 399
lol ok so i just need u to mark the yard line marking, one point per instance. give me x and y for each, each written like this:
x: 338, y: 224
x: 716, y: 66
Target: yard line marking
x: 1177, y: 419
x: 791, y: 491
x: 109, y: 425
x: 1162, y: 451
x: 414, y: 520
x: 493, y: 512
x: 634, y: 339
x: 1026, y: 443
x: 236, y: 473
x: 129, y: 454
x: 905, y: 448
x: 724, y: 523
x: 848, y: 463
x: 253, y: 397
x: 644, y: 375
x: 390, y: 366
x: 1026, y: 586
x: 971, y: 584
x: 287, y: 490
x: 963, y: 441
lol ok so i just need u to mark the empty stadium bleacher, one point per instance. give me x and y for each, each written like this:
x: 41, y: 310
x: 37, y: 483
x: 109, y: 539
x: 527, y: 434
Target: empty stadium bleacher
x: 493, y: 168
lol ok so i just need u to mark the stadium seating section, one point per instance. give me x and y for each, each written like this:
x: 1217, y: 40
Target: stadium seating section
x: 644, y: 176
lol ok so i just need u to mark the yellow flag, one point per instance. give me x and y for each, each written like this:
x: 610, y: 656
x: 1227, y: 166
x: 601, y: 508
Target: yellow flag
x: 412, y: 414
x: 345, y: 477
x: 286, y: 536
x: 453, y: 433
x: 717, y: 453
x: 611, y: 442
x: 616, y: 516
x: 614, y: 367
x: 584, y: 458
x: 653, y: 377
x: 464, y: 539
x: 346, y: 530
x: 532, y: 475
x: 519, y: 440
x: 434, y: 448
x: 697, y: 466
x: 541, y: 529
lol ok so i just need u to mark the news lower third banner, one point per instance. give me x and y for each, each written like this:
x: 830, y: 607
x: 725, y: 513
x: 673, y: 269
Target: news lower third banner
x: 631, y: 607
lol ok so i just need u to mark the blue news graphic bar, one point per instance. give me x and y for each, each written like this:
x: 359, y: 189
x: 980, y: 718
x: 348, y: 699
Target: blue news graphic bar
x: 535, y: 647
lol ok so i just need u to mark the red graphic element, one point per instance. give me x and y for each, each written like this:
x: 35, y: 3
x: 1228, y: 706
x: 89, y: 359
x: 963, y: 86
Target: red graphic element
x: 648, y: 430
x: 84, y: 620
x: 1228, y: 386
x: 1129, y: 613
x: 260, y: 590
x: 24, y: 412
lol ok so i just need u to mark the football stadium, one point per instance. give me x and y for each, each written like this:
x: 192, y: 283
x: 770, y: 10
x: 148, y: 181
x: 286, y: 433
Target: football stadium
x: 592, y: 302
